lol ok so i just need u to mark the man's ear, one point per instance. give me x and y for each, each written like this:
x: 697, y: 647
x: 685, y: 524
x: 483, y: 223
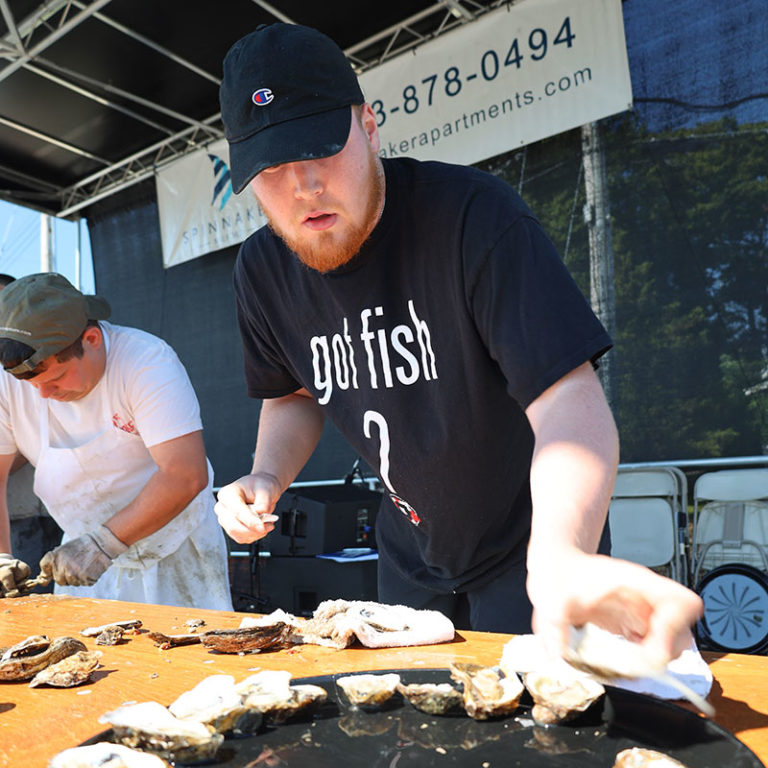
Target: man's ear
x: 368, y: 121
x: 93, y: 337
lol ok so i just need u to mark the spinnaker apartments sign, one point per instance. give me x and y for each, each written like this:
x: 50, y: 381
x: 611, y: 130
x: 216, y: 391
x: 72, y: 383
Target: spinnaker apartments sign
x: 516, y: 75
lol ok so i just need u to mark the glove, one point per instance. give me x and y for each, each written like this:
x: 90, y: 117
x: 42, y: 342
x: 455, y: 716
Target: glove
x: 12, y: 573
x: 81, y: 561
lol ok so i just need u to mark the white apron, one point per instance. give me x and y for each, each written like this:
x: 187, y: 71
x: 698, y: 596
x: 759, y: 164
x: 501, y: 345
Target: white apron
x: 184, y: 563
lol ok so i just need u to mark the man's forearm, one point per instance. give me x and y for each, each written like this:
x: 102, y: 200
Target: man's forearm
x: 573, y: 468
x: 182, y: 473
x: 289, y: 431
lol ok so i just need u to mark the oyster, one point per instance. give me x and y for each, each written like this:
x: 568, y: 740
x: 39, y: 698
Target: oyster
x: 104, y: 754
x: 368, y: 690
x: 110, y: 636
x: 128, y: 624
x: 32, y: 645
x: 24, y: 660
x: 151, y: 727
x: 486, y: 693
x: 270, y: 693
x: 248, y: 639
x: 215, y: 701
x: 645, y: 758
x: 433, y: 698
x: 559, y: 696
x: 69, y: 672
x: 608, y: 657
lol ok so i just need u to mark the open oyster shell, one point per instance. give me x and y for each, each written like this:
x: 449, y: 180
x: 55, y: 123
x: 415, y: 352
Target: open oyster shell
x: 151, y: 727
x: 368, y: 690
x: 608, y: 657
x: 560, y: 695
x: 486, y: 692
x: 104, y: 754
x: 25, y: 659
x: 271, y: 694
x: 215, y: 701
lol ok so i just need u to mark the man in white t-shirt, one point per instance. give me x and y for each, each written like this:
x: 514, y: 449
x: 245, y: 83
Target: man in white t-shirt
x: 108, y: 417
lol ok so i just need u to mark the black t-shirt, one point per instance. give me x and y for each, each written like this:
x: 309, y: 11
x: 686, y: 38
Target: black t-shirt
x: 424, y: 351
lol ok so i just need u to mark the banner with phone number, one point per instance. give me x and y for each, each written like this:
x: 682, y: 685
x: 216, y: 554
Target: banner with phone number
x: 518, y: 74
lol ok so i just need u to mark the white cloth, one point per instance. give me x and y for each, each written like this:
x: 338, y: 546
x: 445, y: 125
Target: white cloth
x: 376, y: 625
x: 92, y: 458
x: 526, y: 653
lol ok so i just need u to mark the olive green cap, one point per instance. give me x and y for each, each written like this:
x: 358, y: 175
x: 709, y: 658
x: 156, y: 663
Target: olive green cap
x: 46, y: 312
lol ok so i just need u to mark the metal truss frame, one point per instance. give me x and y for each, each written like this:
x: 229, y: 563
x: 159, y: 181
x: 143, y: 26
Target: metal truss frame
x: 53, y: 19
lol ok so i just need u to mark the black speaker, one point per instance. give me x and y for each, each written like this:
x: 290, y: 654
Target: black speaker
x: 319, y: 519
x: 299, y: 584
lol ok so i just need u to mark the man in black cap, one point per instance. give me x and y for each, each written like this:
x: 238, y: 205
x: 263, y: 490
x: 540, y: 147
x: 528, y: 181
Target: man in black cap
x: 421, y: 308
x: 108, y: 418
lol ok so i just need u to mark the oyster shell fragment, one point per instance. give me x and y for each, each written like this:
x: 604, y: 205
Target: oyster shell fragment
x: 561, y: 695
x: 69, y: 672
x: 104, y: 754
x: 638, y: 757
x: 25, y: 659
x: 369, y: 690
x: 486, y: 692
x: 149, y: 726
x: 433, y: 698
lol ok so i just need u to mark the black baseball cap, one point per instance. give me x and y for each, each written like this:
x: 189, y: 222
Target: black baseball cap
x: 285, y: 96
x: 46, y: 312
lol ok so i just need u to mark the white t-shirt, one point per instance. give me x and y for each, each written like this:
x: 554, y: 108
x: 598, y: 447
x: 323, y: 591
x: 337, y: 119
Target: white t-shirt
x: 145, y: 391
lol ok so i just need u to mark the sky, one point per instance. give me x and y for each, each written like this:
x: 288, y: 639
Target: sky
x: 20, y: 245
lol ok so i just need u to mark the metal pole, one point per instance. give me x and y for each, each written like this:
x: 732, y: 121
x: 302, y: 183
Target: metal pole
x: 78, y: 257
x: 597, y: 218
x: 46, y: 251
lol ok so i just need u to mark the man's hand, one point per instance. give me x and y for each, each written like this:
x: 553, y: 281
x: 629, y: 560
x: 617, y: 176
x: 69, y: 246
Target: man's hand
x: 622, y: 597
x: 245, y: 508
x: 81, y: 561
x: 12, y: 573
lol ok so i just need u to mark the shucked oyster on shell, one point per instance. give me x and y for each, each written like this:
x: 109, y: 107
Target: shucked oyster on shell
x: 215, y: 701
x: 486, y: 692
x: 369, y: 690
x: 638, y: 757
x: 151, y: 727
x: 270, y: 693
x: 433, y: 698
x: 608, y: 657
x: 104, y: 754
x: 560, y: 695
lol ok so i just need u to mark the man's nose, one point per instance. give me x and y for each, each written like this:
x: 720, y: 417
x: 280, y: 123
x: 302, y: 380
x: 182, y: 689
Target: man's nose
x: 45, y: 390
x: 307, y: 180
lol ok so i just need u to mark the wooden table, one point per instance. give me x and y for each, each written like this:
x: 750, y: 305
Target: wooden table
x: 36, y: 723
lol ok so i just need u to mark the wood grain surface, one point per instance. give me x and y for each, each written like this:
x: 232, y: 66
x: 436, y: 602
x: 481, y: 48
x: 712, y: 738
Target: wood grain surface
x: 36, y: 723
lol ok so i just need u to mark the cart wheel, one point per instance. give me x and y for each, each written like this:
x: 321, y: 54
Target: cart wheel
x: 735, y: 608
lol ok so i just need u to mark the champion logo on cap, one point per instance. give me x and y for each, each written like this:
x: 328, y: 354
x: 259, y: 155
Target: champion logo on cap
x: 262, y: 97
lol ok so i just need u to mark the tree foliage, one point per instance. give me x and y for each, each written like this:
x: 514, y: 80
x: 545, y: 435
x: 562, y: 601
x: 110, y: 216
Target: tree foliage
x: 689, y: 222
